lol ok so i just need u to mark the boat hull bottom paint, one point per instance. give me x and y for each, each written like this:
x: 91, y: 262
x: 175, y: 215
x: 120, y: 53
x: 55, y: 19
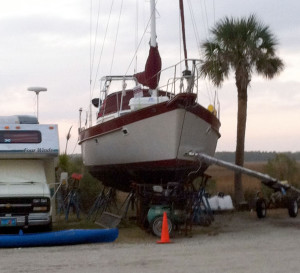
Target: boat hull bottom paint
x: 57, y: 238
x: 122, y: 176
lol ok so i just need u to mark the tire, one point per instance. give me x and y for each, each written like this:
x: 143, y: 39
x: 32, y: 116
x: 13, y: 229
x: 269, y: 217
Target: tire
x: 261, y: 208
x: 293, y: 208
x: 156, y: 226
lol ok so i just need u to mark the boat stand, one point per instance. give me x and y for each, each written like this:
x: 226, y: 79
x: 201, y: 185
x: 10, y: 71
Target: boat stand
x: 176, y: 197
x: 103, y: 202
x: 61, y: 208
x: 105, y: 212
x: 201, y: 210
x: 72, y: 199
x: 184, y: 204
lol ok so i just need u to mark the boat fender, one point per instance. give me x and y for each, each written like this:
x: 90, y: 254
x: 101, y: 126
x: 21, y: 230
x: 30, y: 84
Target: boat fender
x: 212, y: 109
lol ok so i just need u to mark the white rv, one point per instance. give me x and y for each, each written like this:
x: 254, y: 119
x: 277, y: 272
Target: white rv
x: 28, y: 151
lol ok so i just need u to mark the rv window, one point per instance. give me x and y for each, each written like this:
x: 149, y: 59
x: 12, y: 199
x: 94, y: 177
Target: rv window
x: 20, y: 137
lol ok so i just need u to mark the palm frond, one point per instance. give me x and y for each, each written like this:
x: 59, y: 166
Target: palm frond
x: 242, y: 44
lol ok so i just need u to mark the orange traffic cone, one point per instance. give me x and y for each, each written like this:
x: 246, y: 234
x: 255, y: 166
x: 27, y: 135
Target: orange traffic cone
x: 165, y: 238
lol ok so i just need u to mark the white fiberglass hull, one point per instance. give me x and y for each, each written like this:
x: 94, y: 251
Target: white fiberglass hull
x: 163, y: 137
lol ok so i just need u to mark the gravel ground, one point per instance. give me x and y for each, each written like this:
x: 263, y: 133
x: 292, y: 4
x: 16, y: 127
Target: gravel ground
x: 235, y: 242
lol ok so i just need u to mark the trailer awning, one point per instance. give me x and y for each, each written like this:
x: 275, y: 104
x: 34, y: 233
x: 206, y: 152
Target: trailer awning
x: 20, y: 171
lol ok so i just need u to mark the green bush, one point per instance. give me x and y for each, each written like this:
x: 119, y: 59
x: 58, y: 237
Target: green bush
x: 89, y: 187
x: 283, y: 168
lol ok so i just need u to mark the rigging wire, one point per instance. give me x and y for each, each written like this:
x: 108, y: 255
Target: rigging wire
x: 91, y: 9
x: 139, y: 44
x: 136, y: 33
x: 215, y: 95
x: 214, y: 12
x: 180, y: 39
x: 197, y: 36
x: 205, y: 18
x: 210, y: 91
x: 102, y: 48
x: 196, y: 32
x: 92, y: 55
x: 116, y: 38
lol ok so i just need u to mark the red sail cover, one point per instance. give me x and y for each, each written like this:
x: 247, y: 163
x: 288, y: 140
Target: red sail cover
x: 150, y: 77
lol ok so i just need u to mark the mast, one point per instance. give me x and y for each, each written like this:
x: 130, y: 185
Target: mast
x: 150, y: 76
x: 183, y: 32
x: 153, y: 42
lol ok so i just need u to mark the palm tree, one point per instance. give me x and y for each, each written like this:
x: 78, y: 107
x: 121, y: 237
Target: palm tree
x: 243, y: 46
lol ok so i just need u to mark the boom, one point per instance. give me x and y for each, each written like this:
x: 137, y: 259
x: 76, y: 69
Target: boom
x: 269, y: 181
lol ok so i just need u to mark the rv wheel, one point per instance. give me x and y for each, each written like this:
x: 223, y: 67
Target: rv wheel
x: 261, y: 208
x: 293, y: 208
x: 156, y: 226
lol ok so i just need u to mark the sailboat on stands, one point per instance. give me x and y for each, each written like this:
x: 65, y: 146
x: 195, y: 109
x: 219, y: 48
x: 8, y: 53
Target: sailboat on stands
x: 144, y: 132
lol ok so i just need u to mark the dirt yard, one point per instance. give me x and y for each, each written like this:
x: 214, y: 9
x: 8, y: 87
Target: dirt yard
x: 236, y: 242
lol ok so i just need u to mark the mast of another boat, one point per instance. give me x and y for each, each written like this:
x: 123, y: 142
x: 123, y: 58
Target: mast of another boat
x: 183, y: 32
x: 187, y: 73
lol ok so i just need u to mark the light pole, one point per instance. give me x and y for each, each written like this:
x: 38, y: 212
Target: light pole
x: 37, y: 90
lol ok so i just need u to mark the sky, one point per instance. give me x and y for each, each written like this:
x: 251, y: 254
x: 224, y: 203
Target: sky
x: 52, y: 44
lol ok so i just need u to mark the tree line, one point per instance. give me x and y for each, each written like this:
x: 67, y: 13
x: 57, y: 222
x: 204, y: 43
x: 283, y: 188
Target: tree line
x: 256, y: 156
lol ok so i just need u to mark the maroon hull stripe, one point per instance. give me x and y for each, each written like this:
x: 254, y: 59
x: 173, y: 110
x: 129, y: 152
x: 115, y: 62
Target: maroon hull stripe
x: 160, y: 164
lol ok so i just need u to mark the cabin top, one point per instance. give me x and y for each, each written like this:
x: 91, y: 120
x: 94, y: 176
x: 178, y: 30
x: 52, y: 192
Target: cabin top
x: 114, y: 101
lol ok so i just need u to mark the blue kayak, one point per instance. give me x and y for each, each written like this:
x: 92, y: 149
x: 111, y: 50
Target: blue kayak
x: 58, y: 238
